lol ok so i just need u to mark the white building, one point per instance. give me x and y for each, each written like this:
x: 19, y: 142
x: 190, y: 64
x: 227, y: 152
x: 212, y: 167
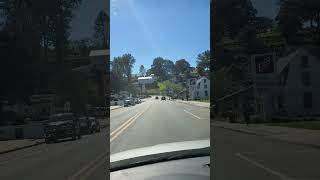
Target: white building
x: 298, y: 90
x: 142, y: 81
x: 199, y: 88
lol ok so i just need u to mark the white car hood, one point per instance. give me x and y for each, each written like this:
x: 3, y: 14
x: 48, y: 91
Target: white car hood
x: 160, y: 148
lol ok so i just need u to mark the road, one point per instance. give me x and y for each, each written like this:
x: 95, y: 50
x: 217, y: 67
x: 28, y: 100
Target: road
x: 85, y: 158
x: 239, y: 156
x: 155, y: 122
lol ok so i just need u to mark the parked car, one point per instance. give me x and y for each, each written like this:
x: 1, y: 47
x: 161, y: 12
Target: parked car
x: 85, y: 125
x: 95, y: 125
x: 163, y: 98
x: 132, y: 101
x: 127, y: 102
x: 62, y: 125
x: 157, y: 97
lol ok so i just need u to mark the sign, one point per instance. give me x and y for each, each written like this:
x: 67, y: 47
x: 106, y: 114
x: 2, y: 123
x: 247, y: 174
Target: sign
x: 264, y: 64
x: 263, y: 68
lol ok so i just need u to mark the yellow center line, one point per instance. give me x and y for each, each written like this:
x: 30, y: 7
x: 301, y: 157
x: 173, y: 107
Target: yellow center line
x: 85, y: 168
x: 125, y: 125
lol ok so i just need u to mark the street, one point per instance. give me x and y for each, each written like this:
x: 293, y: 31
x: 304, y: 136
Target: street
x: 156, y: 121
x: 239, y: 156
x: 80, y: 159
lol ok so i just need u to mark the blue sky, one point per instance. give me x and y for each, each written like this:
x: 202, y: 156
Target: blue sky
x: 84, y: 17
x: 172, y: 29
x: 266, y: 8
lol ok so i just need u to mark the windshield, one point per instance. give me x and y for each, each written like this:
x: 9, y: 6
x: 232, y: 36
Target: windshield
x: 150, y: 79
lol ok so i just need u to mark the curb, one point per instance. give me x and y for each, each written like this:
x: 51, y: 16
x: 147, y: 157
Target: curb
x: 315, y: 146
x: 193, y: 104
x: 116, y: 108
x: 19, y: 148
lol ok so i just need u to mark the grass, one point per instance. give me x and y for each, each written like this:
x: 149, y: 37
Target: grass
x: 313, y: 125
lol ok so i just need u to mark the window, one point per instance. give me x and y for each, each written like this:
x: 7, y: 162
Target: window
x: 307, y: 100
x: 304, y: 61
x: 204, y: 80
x: 205, y: 86
x: 305, y: 78
x: 206, y: 93
x: 197, y: 93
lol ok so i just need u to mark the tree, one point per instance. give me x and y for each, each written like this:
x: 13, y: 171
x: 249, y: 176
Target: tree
x: 182, y: 67
x: 159, y: 68
x: 229, y: 24
x: 101, y: 27
x: 128, y: 62
x: 203, y: 63
x: 296, y: 17
x: 142, y: 71
x: 167, y: 87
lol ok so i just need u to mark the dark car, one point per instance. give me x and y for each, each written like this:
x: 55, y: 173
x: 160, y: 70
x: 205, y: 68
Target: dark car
x: 163, y: 98
x: 62, y: 125
x: 157, y: 97
x: 127, y: 102
x: 95, y: 125
x: 85, y: 125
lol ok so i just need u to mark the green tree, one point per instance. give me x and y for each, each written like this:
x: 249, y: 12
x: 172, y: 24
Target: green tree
x: 161, y: 68
x: 203, y: 63
x: 101, y: 27
x: 182, y: 68
x: 296, y: 17
x: 142, y: 71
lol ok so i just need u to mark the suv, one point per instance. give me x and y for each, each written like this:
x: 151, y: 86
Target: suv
x: 62, y: 125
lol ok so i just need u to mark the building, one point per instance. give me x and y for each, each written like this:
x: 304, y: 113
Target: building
x: 199, y: 88
x: 298, y: 85
x: 143, y: 81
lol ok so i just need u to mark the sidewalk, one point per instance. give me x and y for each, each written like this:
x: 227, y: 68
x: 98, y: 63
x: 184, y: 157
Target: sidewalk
x: 115, y: 107
x: 13, y: 145
x: 293, y: 135
x: 195, y: 103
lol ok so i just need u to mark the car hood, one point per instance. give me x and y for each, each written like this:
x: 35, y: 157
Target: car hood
x: 58, y: 123
x: 160, y: 148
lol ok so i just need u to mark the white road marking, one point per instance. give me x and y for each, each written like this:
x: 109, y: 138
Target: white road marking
x: 191, y: 114
x: 280, y: 175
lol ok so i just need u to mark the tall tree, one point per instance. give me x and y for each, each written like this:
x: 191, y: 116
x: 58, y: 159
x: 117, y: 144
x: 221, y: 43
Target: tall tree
x: 101, y: 28
x: 142, y: 71
x: 203, y: 63
x: 182, y: 67
x: 128, y: 62
x: 161, y: 68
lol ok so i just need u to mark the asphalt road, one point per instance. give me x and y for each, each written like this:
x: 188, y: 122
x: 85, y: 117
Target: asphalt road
x: 239, y: 156
x: 155, y: 122
x: 85, y: 158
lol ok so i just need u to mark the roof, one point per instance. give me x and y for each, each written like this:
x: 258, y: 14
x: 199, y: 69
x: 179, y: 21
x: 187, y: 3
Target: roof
x: 103, y: 52
x: 284, y: 61
x: 141, y: 78
x: 199, y: 80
